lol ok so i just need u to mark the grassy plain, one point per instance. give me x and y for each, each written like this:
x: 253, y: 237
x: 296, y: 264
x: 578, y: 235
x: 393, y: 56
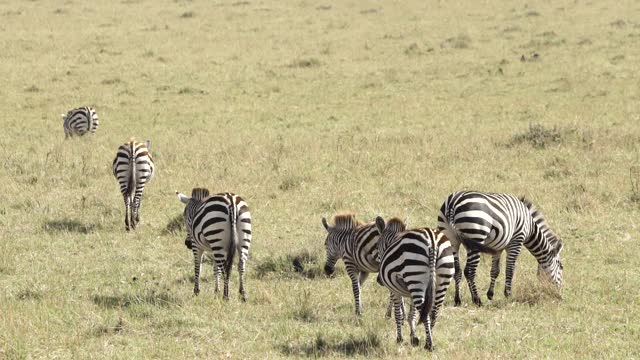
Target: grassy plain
x: 309, y: 108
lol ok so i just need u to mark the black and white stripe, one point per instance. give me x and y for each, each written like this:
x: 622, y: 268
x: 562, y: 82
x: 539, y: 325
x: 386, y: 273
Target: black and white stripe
x: 491, y: 223
x: 133, y: 167
x: 416, y: 264
x: 357, y: 245
x: 219, y: 224
x: 79, y: 121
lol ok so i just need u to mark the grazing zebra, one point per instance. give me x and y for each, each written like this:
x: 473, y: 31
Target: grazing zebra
x: 213, y: 224
x: 417, y: 263
x: 357, y: 245
x: 80, y: 121
x: 133, y: 168
x: 491, y: 223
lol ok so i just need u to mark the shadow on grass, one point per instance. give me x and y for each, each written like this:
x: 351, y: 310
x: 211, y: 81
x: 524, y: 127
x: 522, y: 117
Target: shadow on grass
x: 69, y: 225
x: 368, y: 345
x: 152, y: 298
x: 175, y: 226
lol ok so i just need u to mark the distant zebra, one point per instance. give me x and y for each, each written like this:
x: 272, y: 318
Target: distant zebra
x: 133, y: 167
x: 357, y: 245
x: 416, y: 264
x: 79, y: 121
x: 218, y: 224
x: 491, y: 223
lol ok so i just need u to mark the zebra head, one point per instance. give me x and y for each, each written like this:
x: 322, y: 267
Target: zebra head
x: 197, y: 195
x: 551, y: 270
x: 388, y: 232
x: 337, y: 236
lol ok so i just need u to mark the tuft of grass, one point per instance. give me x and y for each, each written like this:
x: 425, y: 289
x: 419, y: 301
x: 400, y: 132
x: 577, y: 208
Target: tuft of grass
x: 457, y: 42
x: 541, y: 137
x: 32, y: 89
x: 126, y: 300
x: 303, y: 263
x: 187, y: 15
x: 305, y: 311
x: 175, y: 226
x: 29, y: 294
x: 634, y: 180
x: 305, y: 63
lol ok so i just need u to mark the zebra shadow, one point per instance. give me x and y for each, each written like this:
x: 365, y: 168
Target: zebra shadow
x: 126, y: 300
x: 69, y: 225
x: 366, y: 345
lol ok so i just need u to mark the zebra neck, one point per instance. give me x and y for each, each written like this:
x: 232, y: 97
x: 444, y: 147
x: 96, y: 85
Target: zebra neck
x: 539, y: 245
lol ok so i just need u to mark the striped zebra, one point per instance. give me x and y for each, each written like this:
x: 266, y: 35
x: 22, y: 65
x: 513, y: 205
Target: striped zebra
x: 416, y: 264
x: 493, y: 222
x: 133, y: 167
x: 218, y: 224
x: 79, y: 121
x: 357, y: 245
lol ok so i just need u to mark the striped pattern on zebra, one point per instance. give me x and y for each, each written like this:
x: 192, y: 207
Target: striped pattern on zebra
x: 493, y: 222
x: 133, y: 167
x: 416, y: 264
x: 219, y: 224
x: 79, y: 121
x: 357, y: 245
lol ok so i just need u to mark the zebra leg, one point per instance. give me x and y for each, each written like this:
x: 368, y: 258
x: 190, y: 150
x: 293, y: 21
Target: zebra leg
x: 225, y: 291
x: 415, y: 341
x: 429, y: 339
x: 241, y: 265
x: 398, y: 306
x: 441, y: 291
x: 457, y: 276
x: 127, y: 206
x: 473, y: 259
x: 217, y: 269
x: 389, y: 308
x: 354, y: 275
x: 512, y: 255
x: 495, y: 271
x: 197, y: 259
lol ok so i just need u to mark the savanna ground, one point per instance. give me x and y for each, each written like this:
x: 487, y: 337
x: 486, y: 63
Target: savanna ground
x: 310, y: 108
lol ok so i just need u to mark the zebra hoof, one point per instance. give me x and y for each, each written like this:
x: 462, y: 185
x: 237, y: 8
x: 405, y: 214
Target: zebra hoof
x: 415, y: 341
x: 477, y: 301
x: 490, y: 295
x: 457, y: 301
x: 243, y: 298
x: 196, y: 291
x: 428, y: 347
x: 399, y: 340
x: 507, y: 293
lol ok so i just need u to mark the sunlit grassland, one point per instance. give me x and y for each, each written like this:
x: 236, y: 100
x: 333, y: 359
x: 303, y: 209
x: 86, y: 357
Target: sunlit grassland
x: 308, y: 109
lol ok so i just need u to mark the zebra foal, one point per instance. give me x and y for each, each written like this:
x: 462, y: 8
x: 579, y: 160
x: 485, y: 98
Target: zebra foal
x: 492, y: 223
x: 133, y: 167
x: 219, y: 224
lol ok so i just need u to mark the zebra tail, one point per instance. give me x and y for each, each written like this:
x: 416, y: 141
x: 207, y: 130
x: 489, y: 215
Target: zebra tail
x: 430, y: 292
x: 233, y: 216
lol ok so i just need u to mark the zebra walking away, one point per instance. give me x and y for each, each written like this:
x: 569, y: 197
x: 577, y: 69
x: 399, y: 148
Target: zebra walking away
x: 79, y: 121
x: 218, y: 224
x: 133, y: 167
x: 493, y: 222
x: 357, y: 245
x: 416, y: 264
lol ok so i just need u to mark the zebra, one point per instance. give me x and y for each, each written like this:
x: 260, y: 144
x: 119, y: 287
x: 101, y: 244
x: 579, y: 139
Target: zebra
x: 213, y: 223
x: 490, y: 223
x: 357, y: 245
x: 417, y: 263
x: 133, y: 167
x: 79, y: 121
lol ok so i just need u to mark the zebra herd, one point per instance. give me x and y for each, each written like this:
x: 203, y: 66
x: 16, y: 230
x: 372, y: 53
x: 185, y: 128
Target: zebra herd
x: 416, y: 264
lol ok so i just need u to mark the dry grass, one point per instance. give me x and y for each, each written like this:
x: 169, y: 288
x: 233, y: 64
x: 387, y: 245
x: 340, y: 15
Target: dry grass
x: 309, y: 109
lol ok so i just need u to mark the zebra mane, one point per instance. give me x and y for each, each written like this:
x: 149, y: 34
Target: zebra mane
x: 539, y: 219
x: 395, y: 225
x: 199, y: 193
x: 346, y: 221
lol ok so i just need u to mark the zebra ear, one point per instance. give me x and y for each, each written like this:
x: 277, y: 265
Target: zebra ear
x: 147, y: 143
x: 64, y: 116
x: 183, y: 198
x: 326, y: 225
x: 380, y: 224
